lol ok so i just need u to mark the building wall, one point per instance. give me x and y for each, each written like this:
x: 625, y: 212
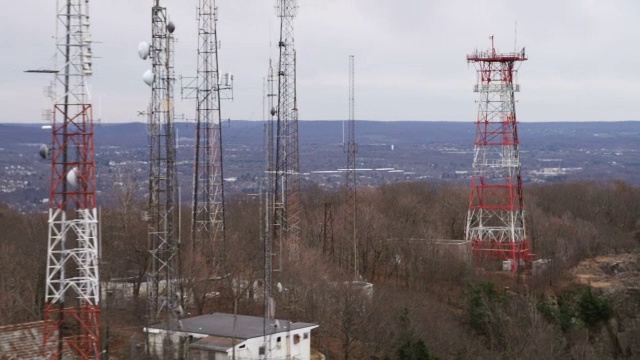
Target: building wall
x: 199, y: 354
x: 180, y: 342
x: 292, y: 345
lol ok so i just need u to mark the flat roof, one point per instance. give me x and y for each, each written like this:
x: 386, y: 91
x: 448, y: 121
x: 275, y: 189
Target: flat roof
x: 221, y: 325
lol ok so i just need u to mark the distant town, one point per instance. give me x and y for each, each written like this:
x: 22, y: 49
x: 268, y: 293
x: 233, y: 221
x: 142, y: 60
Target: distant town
x: 388, y: 152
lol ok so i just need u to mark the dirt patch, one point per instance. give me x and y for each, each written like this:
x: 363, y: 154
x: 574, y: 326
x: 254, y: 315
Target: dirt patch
x: 606, y: 271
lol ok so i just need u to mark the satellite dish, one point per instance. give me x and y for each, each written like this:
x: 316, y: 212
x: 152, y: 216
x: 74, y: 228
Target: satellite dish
x: 148, y: 77
x: 143, y: 50
x: 171, y: 27
x: 72, y: 177
x: 279, y: 287
x: 44, y: 151
x: 273, y: 111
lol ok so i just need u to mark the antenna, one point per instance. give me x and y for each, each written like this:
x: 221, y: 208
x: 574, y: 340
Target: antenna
x: 350, y: 213
x: 515, y: 37
x: 269, y: 304
x: 269, y: 196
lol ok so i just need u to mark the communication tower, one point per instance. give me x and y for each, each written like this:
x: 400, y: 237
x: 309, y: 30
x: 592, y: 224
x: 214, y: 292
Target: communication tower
x: 72, y: 292
x: 269, y: 196
x: 350, y: 147
x: 495, y: 221
x: 163, y: 272
x: 268, y: 193
x: 207, y: 218
x: 286, y: 219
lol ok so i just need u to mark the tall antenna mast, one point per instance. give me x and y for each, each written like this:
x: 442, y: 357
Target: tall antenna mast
x: 351, y: 149
x: 495, y: 221
x: 286, y: 219
x: 163, y: 272
x: 267, y: 236
x: 269, y: 197
x: 208, y: 219
x: 72, y: 291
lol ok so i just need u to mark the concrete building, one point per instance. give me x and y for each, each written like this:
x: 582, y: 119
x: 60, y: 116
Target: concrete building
x: 215, y: 336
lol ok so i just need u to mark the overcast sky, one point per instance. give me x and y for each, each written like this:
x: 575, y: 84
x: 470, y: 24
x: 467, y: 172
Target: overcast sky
x: 410, y: 56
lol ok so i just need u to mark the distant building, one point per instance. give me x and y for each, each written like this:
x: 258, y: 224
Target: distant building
x: 212, y: 337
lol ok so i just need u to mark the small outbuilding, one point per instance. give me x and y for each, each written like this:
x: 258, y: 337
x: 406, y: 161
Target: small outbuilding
x: 221, y: 336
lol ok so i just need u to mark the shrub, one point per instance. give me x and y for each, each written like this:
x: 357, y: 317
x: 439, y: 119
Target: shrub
x: 593, y: 309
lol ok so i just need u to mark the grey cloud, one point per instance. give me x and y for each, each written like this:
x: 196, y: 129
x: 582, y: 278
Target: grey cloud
x: 410, y: 56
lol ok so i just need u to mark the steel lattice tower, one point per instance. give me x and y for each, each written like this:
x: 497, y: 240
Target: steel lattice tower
x: 72, y: 293
x: 163, y: 273
x: 207, y: 219
x: 495, y: 221
x: 287, y: 163
x: 350, y: 147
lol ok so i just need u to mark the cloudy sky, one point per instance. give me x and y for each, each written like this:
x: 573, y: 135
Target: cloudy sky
x: 410, y: 56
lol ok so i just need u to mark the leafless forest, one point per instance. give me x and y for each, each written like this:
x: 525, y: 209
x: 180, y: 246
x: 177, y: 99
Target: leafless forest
x: 427, y: 303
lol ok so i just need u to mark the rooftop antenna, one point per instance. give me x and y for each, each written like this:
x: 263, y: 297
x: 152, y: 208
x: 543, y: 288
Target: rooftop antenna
x: 163, y: 272
x: 72, y: 291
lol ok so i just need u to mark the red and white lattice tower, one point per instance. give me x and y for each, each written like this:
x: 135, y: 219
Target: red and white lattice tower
x: 72, y: 294
x: 495, y: 222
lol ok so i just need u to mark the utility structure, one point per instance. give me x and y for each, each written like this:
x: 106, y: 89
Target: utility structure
x: 207, y: 212
x: 164, y: 244
x: 268, y: 194
x: 286, y: 221
x: 72, y: 290
x: 495, y: 220
x: 350, y: 148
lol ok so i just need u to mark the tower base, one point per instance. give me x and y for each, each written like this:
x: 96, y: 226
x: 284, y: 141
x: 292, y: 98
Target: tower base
x: 514, y: 256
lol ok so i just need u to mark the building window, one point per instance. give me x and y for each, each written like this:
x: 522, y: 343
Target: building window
x: 261, y: 350
x: 279, y: 339
x: 306, y: 336
x: 296, y: 338
x: 242, y: 346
